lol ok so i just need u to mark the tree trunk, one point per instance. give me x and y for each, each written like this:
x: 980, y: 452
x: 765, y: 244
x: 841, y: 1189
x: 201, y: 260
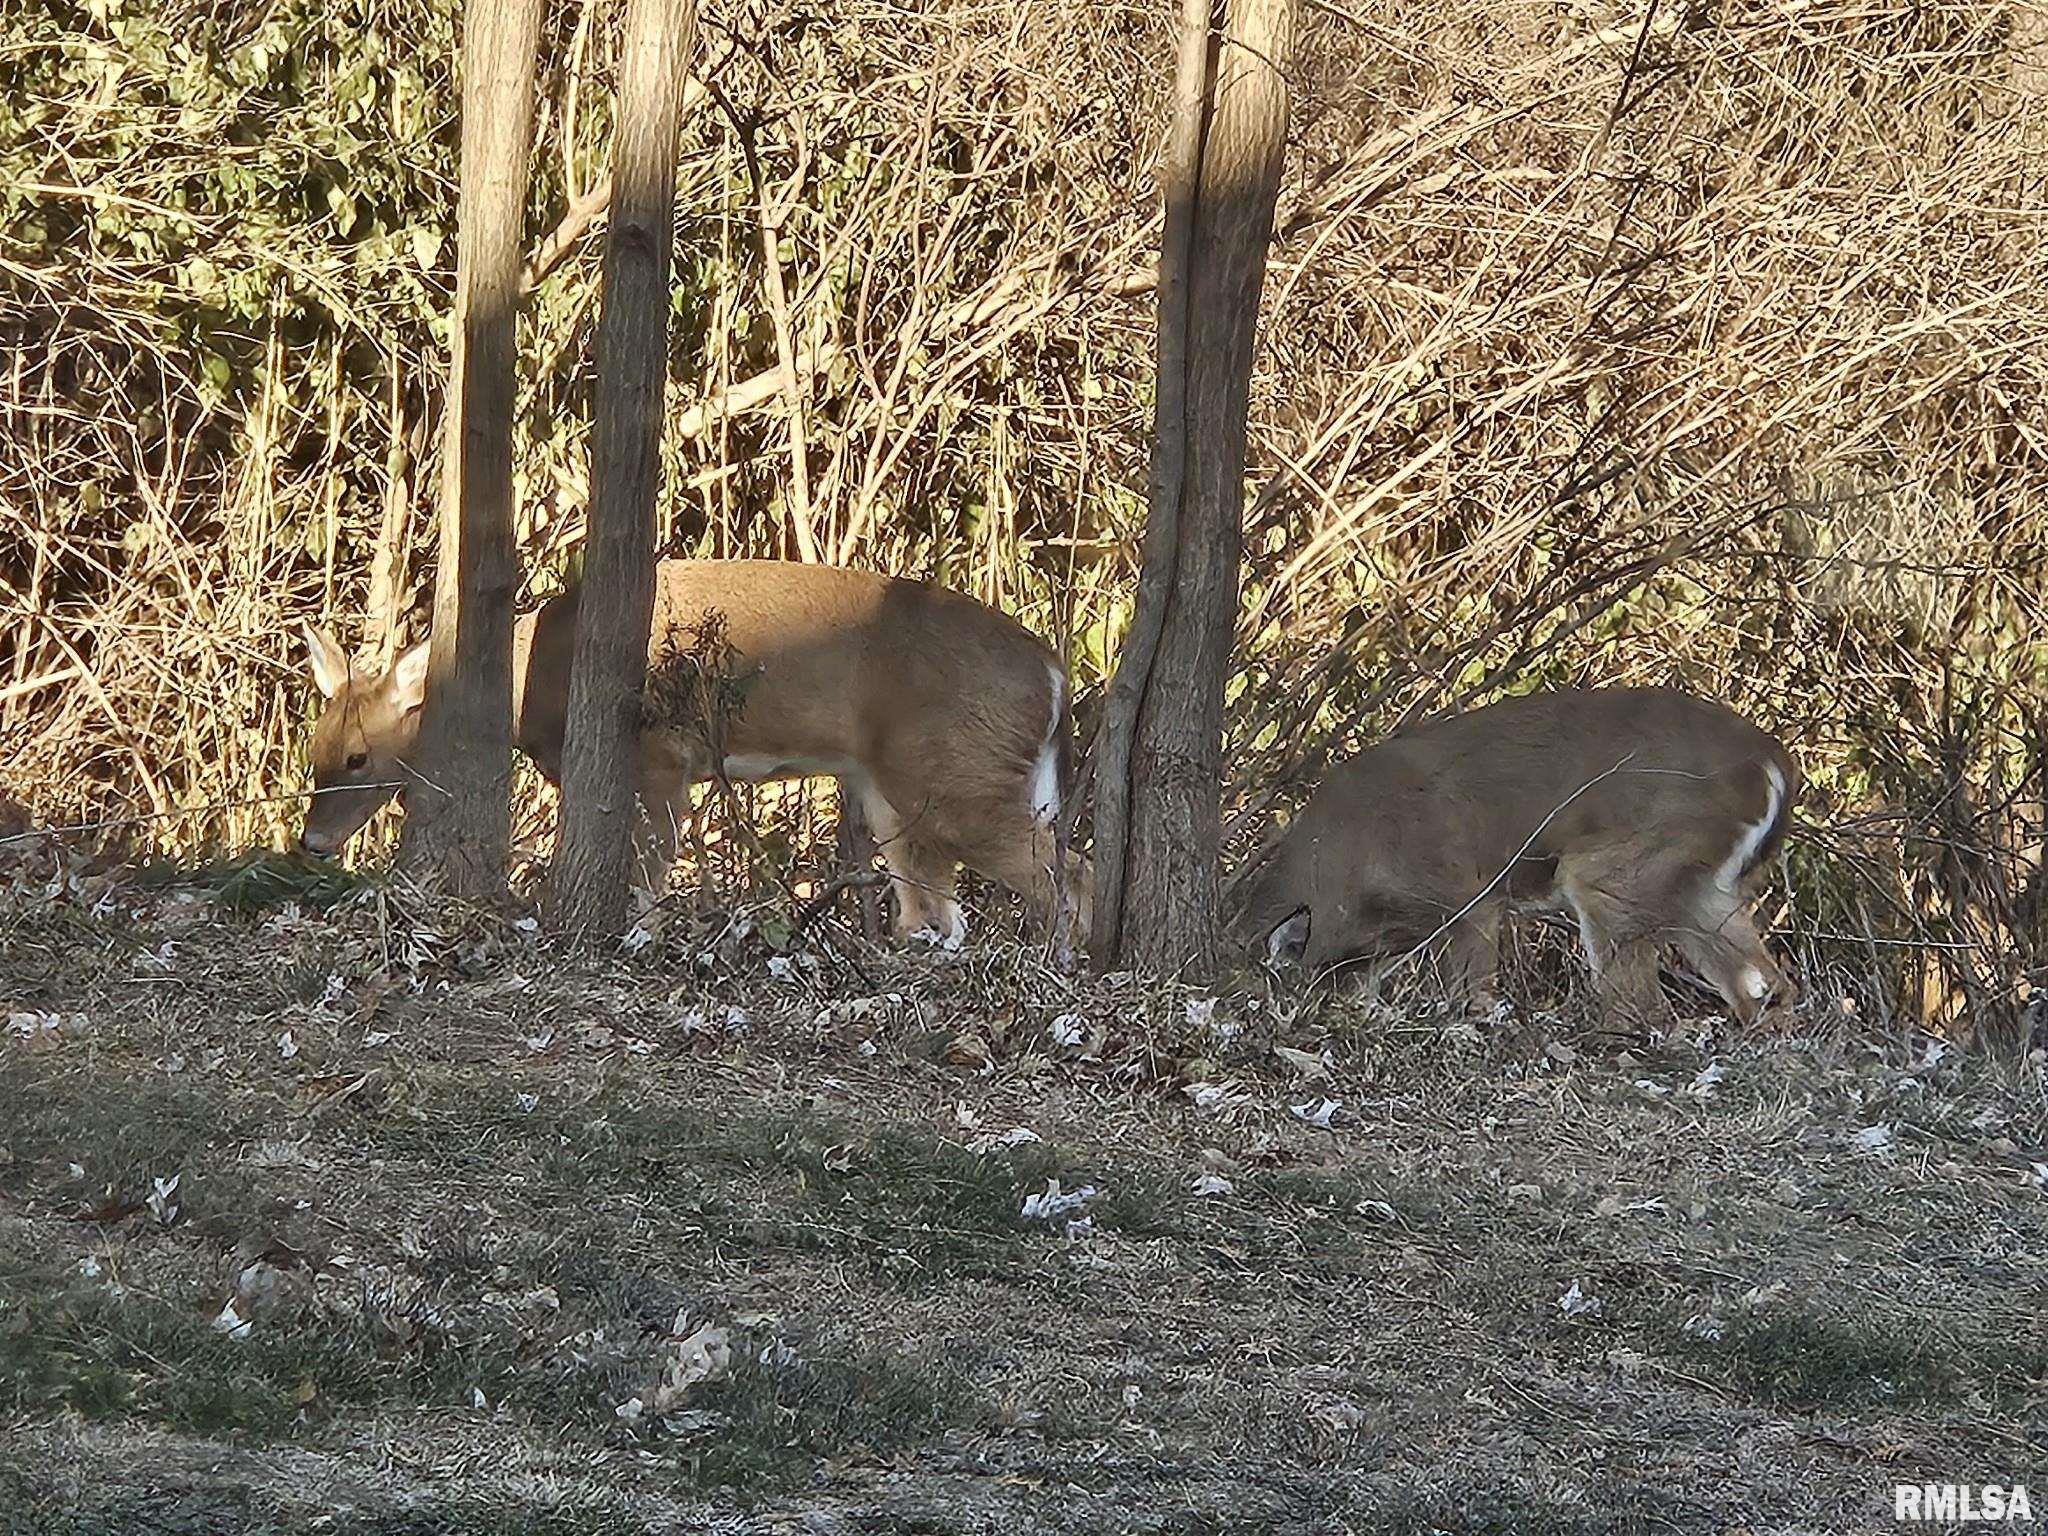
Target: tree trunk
x: 1160, y: 769
x: 594, y: 855
x: 458, y: 814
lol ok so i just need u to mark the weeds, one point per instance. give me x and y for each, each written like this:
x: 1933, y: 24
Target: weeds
x: 263, y: 881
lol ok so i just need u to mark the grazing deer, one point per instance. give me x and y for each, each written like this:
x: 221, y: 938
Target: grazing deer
x: 950, y: 721
x: 1644, y: 813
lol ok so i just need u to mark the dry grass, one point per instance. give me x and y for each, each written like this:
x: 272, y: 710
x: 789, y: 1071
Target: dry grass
x: 485, y: 1166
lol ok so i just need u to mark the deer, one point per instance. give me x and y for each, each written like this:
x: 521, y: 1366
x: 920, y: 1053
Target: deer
x: 1645, y: 814
x: 949, y: 721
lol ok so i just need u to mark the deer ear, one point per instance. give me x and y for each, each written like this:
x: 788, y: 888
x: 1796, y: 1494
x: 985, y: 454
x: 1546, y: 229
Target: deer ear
x: 329, y: 661
x: 408, y: 682
x: 1288, y: 941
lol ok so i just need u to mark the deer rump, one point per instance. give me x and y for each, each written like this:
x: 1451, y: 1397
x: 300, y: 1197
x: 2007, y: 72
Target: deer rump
x: 947, y: 719
x: 1644, y: 813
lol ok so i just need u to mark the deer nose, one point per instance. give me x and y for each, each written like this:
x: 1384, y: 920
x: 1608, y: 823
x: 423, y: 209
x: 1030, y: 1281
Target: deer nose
x: 317, y: 847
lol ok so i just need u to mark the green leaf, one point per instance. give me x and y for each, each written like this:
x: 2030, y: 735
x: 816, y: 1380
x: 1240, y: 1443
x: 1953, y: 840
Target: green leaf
x: 216, y: 373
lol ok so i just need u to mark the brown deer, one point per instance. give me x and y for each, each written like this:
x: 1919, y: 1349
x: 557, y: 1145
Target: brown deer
x: 1642, y: 812
x: 949, y: 720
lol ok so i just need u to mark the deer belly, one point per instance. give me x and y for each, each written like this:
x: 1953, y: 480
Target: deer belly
x: 1532, y: 887
x: 760, y: 767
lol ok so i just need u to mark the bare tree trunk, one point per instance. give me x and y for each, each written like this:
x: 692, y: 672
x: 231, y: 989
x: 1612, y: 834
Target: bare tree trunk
x: 594, y: 855
x: 1160, y: 768
x: 458, y: 814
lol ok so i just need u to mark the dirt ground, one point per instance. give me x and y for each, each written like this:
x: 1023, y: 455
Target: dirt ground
x: 381, y: 1219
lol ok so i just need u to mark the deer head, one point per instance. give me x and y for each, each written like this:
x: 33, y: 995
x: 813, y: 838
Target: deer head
x: 362, y: 739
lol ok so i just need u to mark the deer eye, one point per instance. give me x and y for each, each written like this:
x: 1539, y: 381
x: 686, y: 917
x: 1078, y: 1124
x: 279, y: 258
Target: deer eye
x: 358, y: 760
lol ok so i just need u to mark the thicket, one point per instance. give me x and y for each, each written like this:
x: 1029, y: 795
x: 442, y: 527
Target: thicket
x: 1697, y: 342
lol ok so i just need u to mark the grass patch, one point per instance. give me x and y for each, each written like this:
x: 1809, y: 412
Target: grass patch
x: 783, y: 1410
x: 911, y: 1207
x: 1806, y: 1361
x: 122, y: 1131
x: 67, y: 1343
x: 262, y: 881
x: 219, y: 1508
x: 491, y: 1519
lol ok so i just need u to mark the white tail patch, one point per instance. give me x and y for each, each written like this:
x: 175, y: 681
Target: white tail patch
x: 1045, y: 773
x: 1588, y: 940
x: 1754, y: 984
x: 1753, y: 837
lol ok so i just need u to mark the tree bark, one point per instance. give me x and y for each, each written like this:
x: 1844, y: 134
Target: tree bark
x: 458, y: 813
x: 1159, y: 774
x: 594, y: 855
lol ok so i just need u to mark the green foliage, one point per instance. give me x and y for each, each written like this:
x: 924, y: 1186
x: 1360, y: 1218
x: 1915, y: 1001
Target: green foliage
x: 284, y: 168
x: 262, y: 881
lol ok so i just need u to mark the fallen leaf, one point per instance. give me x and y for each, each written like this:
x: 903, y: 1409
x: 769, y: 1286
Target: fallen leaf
x: 1576, y: 1303
x: 162, y: 1205
x: 704, y: 1356
x: 231, y: 1322
x: 1219, y: 1097
x: 1051, y: 1203
x: 1709, y: 1079
x: 112, y: 1208
x: 967, y: 1049
x: 1307, y: 1063
x: 1317, y: 1112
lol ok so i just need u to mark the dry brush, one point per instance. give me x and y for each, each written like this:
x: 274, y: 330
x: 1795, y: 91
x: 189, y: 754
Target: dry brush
x: 1702, y: 343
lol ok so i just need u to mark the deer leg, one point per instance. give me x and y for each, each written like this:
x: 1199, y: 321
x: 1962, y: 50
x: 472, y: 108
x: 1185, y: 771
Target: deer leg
x: 662, y: 780
x: 657, y: 828
x: 1623, y: 956
x: 1022, y: 855
x: 1470, y: 965
x: 855, y: 854
x: 930, y: 869
x: 921, y: 872
x: 1629, y: 989
x: 1726, y: 947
